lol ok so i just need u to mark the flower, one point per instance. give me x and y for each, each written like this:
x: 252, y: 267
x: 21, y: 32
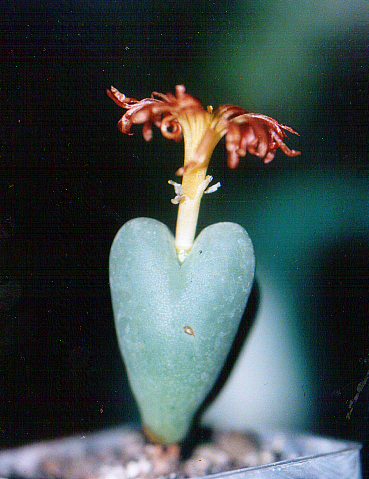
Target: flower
x: 184, y: 116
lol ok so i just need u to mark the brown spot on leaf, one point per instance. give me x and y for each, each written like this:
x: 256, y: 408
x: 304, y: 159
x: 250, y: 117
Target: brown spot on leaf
x: 189, y: 330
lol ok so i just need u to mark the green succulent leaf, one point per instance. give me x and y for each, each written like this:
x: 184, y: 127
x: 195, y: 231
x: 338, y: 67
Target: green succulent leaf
x: 176, y: 322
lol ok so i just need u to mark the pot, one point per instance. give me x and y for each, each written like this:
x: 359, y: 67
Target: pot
x: 307, y: 456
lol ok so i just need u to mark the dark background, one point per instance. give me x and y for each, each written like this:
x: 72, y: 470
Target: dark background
x: 69, y: 180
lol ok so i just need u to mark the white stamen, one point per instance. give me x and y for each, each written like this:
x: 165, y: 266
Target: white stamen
x: 177, y: 187
x: 177, y: 190
x: 213, y: 188
x: 177, y: 199
x: 202, y: 187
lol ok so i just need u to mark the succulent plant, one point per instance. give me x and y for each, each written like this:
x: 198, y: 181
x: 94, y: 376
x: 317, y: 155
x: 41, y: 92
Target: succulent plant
x: 178, y: 301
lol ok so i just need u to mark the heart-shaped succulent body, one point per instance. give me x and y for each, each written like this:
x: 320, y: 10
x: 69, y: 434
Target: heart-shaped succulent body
x: 176, y: 322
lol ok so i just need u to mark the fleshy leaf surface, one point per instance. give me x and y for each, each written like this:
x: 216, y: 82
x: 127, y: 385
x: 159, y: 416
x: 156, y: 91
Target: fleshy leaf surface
x: 176, y: 322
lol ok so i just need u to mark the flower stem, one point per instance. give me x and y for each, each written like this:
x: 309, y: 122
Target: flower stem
x: 193, y: 186
x: 200, y: 138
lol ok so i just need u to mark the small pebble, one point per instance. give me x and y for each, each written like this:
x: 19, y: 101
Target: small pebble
x: 237, y: 445
x: 137, y: 468
x: 112, y: 472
